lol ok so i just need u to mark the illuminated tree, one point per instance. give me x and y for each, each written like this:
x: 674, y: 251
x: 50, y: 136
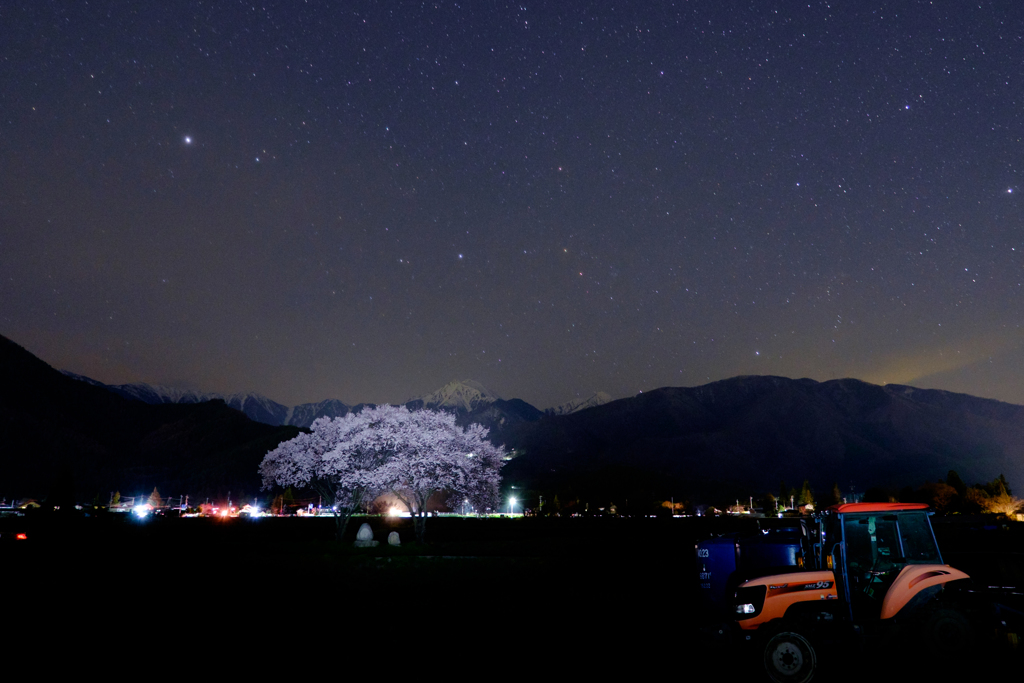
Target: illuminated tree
x: 154, y: 498
x: 995, y: 497
x: 414, y: 454
x: 1004, y: 504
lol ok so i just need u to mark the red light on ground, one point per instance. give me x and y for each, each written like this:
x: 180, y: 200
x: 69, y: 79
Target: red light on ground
x: 22, y: 537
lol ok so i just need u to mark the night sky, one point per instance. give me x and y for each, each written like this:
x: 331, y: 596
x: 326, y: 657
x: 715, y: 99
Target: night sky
x: 366, y: 200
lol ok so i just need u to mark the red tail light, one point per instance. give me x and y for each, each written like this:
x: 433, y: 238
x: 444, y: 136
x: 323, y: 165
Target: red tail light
x: 21, y: 537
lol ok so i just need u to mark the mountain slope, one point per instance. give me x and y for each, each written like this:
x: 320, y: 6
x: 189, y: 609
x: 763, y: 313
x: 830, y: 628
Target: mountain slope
x: 305, y: 414
x: 68, y: 438
x: 578, y: 404
x: 752, y: 432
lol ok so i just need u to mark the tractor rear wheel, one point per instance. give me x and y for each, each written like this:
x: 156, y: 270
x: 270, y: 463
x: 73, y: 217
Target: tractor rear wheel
x: 789, y: 658
x: 948, y: 632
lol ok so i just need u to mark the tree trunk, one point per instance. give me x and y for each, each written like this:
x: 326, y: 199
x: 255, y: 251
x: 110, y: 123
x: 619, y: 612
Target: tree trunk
x: 419, y: 523
x: 417, y: 506
x: 341, y: 518
x: 341, y: 515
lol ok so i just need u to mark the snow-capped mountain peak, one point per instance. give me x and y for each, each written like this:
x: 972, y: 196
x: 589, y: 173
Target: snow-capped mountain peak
x: 458, y: 395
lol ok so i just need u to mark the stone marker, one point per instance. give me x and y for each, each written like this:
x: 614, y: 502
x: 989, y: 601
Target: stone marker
x: 393, y: 538
x: 364, y: 539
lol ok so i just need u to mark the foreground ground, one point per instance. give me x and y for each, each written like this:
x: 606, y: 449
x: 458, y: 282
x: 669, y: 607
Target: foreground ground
x: 557, y: 595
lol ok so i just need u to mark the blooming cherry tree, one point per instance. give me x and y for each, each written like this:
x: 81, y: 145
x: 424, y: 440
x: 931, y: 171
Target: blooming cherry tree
x: 414, y: 454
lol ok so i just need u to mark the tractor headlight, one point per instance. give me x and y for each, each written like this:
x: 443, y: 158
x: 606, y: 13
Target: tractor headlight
x: 749, y: 601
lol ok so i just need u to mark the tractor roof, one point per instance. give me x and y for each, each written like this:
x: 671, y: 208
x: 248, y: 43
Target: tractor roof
x: 877, y: 507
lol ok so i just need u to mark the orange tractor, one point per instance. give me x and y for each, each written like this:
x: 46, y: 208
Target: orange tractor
x: 871, y: 569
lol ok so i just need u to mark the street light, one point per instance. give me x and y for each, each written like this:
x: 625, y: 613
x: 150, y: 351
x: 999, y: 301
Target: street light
x: 511, y: 505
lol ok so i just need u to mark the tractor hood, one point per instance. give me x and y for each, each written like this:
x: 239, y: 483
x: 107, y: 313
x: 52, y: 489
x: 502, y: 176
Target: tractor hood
x: 768, y: 597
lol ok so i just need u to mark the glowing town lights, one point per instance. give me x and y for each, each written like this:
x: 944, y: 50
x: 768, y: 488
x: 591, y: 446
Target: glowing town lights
x: 251, y: 511
x: 511, y: 505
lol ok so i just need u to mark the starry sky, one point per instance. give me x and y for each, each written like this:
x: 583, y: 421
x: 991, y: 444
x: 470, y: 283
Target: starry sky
x: 365, y: 200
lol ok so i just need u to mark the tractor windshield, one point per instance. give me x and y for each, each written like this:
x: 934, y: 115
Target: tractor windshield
x: 918, y: 541
x: 877, y: 542
x: 878, y: 546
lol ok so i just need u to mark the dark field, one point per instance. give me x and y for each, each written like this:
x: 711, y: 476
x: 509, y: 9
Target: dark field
x: 569, y: 595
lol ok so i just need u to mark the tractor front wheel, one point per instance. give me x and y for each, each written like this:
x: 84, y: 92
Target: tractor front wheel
x: 789, y: 658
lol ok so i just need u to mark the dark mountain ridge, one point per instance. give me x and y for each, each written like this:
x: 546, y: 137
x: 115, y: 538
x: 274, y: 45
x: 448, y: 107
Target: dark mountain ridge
x: 62, y: 435
x: 748, y: 433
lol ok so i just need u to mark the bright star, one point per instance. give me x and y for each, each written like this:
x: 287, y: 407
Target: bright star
x: 188, y: 139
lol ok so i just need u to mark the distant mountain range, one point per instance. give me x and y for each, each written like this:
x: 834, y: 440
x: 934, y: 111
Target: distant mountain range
x: 257, y: 407
x: 735, y: 437
x: 466, y: 396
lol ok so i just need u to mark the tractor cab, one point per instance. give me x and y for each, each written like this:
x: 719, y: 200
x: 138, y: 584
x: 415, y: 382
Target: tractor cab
x: 869, y: 546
